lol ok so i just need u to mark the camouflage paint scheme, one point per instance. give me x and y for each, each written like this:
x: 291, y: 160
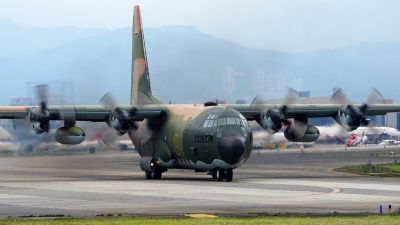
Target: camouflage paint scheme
x: 187, y: 136
x: 169, y: 138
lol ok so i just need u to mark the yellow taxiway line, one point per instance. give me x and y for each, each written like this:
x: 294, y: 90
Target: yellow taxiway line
x: 201, y: 216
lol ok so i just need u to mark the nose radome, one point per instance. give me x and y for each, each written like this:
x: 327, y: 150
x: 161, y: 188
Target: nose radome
x: 231, y: 148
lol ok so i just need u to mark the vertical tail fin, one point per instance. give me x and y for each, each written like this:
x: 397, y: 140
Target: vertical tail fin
x: 140, y: 84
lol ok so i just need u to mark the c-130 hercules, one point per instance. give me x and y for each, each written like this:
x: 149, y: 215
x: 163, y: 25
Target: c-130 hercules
x: 205, y: 138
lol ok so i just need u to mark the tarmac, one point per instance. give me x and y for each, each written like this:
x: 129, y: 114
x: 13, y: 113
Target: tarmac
x: 270, y: 182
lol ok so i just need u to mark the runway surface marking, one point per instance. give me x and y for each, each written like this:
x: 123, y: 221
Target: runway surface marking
x: 201, y: 216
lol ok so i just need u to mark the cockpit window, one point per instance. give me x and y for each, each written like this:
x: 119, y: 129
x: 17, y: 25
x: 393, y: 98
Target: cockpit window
x: 221, y: 121
x: 230, y: 120
x: 214, y: 121
x: 211, y: 123
x: 244, y: 121
x: 238, y: 121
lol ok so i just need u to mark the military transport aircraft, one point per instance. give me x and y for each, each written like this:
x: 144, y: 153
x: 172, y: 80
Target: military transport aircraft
x: 205, y: 138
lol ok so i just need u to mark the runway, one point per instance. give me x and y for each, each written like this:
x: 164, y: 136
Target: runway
x: 270, y: 181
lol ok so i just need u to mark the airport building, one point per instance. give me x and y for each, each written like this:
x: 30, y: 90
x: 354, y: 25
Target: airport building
x: 61, y: 92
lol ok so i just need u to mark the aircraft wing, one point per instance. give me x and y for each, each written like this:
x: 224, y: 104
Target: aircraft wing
x: 310, y: 110
x: 98, y: 113
x: 93, y: 113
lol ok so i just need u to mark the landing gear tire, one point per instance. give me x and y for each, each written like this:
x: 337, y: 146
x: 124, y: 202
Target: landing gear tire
x: 157, y: 172
x: 220, y: 174
x: 148, y: 175
x: 214, y: 176
x: 229, y: 175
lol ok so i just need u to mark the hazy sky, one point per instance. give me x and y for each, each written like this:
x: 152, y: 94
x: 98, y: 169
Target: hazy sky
x: 290, y: 26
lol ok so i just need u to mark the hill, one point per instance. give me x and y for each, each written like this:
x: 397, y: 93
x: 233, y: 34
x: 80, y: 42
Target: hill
x: 187, y: 66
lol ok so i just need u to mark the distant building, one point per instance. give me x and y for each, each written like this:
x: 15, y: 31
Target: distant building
x: 228, y: 81
x: 280, y: 86
x: 270, y: 86
x: 304, y: 94
x: 240, y: 101
x: 61, y: 92
x: 258, y: 82
x: 398, y: 121
x: 24, y: 101
x: 378, y: 121
x: 390, y: 118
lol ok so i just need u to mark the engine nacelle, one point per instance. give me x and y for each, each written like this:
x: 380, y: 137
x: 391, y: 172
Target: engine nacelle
x: 351, y: 118
x: 116, y: 125
x: 70, y: 135
x: 36, y: 127
x: 311, y: 134
x: 39, y: 120
x: 271, y: 120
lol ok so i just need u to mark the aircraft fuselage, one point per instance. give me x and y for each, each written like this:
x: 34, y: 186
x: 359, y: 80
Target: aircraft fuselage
x: 195, y: 137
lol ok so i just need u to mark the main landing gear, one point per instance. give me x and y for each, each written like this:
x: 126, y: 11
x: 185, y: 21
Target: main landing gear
x: 221, y: 174
x: 155, y: 174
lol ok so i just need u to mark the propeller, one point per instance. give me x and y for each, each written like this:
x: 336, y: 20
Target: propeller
x: 43, y: 117
x: 122, y: 123
x: 124, y: 117
x: 38, y: 119
x: 356, y: 114
x: 272, y: 119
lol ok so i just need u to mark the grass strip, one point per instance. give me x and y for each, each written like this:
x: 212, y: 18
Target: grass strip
x: 220, y: 220
x: 381, y: 169
x: 394, y: 155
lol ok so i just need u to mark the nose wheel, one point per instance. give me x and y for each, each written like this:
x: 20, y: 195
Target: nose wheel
x: 222, y: 174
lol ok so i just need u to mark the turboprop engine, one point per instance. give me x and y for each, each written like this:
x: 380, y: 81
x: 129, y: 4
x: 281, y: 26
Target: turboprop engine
x: 39, y: 120
x: 294, y: 134
x: 119, y: 119
x: 70, y: 135
x: 120, y: 125
x: 271, y: 120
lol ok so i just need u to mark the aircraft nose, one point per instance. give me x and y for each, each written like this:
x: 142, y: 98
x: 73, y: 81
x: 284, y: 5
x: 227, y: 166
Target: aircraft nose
x: 231, y: 148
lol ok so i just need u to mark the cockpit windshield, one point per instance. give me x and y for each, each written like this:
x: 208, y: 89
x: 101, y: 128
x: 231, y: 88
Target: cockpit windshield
x: 214, y: 121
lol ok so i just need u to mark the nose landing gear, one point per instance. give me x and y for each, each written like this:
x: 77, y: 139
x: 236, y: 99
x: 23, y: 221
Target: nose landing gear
x: 221, y: 174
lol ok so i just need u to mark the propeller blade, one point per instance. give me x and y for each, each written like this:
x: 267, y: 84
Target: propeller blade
x: 373, y: 96
x: 108, y: 101
x: 21, y: 128
x: 257, y: 103
x: 109, y: 137
x: 290, y: 98
x: 299, y: 128
x: 339, y: 98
